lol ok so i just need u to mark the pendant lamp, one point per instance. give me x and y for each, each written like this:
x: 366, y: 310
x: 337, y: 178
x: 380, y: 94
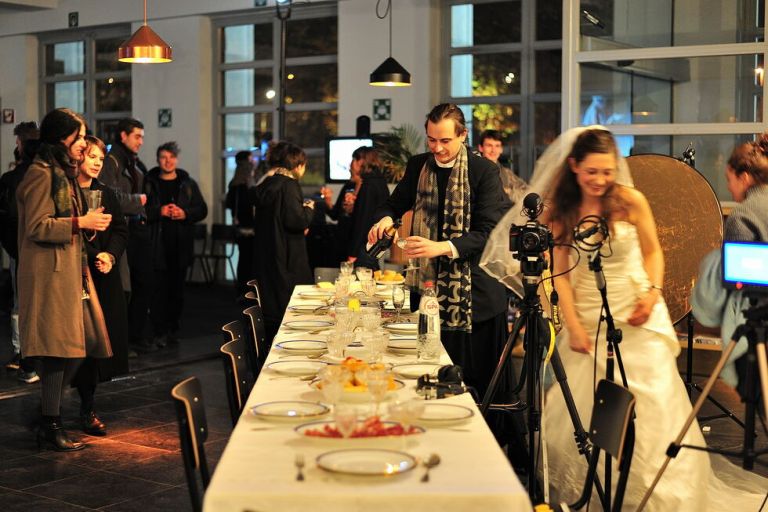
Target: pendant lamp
x: 145, y: 46
x: 390, y: 73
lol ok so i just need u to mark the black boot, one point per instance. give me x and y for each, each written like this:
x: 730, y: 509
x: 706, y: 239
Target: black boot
x: 52, y: 435
x: 92, y: 424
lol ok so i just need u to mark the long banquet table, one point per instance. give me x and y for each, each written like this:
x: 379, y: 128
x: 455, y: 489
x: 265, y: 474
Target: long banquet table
x: 256, y: 472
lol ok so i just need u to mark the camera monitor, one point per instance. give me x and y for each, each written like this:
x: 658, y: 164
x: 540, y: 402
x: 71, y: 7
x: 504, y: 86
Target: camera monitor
x: 745, y: 265
x: 338, y: 152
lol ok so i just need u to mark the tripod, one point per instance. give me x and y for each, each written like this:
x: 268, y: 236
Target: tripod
x: 531, y: 317
x: 755, y: 330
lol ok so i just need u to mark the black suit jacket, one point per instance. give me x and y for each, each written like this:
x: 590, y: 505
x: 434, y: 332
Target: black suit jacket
x: 488, y: 203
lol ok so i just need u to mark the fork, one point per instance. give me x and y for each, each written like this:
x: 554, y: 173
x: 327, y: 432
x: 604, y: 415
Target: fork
x: 298, y: 461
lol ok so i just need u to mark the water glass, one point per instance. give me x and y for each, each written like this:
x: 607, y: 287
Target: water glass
x: 398, y: 299
x: 345, y: 318
x: 332, y: 379
x: 342, y: 287
x: 335, y: 345
x: 371, y: 318
x: 368, y: 285
x: 377, y: 380
x: 346, y: 419
x: 346, y: 268
x: 93, y: 198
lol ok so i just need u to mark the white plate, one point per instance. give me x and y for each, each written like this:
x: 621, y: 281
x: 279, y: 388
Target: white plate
x: 410, y: 327
x: 406, y: 346
x: 416, y: 370
x: 289, y: 411
x: 366, y: 462
x: 307, y: 325
x: 316, y: 294
x: 314, y: 308
x: 303, y: 347
x: 360, y: 395
x: 297, y: 368
x: 440, y: 414
x: 320, y: 425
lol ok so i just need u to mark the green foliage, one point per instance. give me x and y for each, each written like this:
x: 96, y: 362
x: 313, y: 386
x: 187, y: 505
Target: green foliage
x: 396, y: 147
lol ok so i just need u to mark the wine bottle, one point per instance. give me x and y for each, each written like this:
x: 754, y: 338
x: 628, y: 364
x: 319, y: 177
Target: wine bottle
x: 385, y: 242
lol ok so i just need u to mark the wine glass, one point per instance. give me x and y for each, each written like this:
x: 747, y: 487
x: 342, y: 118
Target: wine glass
x: 346, y: 419
x: 377, y: 380
x: 398, y: 299
x: 402, y: 243
x: 346, y: 268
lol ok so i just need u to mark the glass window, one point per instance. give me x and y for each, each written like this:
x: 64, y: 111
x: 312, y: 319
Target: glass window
x: 106, y: 130
x: 243, y: 131
x: 243, y: 43
x: 65, y: 58
x: 547, y: 125
x: 243, y: 87
x: 672, y: 22
x: 712, y: 152
x: 721, y: 89
x: 66, y: 95
x: 486, y: 23
x: 310, y: 129
x: 315, y: 36
x: 504, y: 118
x: 491, y: 74
x: 113, y: 95
x: 549, y: 20
x: 315, y: 173
x: 106, y: 51
x: 317, y: 83
x: 548, y: 70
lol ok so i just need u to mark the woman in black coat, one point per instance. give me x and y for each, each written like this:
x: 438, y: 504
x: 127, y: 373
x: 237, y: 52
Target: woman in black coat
x: 104, y: 252
x: 281, y: 219
x: 373, y: 193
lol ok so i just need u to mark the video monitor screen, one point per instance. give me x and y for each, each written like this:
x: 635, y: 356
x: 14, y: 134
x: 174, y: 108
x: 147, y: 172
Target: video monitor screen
x: 745, y: 265
x: 338, y: 152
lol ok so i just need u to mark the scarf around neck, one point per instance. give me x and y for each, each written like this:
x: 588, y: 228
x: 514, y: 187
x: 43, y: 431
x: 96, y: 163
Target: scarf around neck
x: 452, y: 277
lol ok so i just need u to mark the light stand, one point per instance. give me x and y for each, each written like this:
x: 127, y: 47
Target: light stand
x: 283, y: 8
x: 755, y: 329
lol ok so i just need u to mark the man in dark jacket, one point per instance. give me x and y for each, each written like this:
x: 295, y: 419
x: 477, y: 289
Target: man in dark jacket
x: 124, y: 173
x: 26, y: 134
x: 174, y: 205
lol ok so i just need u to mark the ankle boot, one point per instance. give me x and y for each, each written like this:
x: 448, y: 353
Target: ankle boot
x: 92, y: 424
x: 52, y: 435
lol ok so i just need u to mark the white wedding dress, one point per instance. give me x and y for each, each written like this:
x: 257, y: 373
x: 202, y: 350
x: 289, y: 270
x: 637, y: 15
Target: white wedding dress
x: 648, y: 353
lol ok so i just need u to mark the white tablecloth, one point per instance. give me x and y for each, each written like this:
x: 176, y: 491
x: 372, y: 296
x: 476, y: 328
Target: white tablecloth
x: 257, y: 473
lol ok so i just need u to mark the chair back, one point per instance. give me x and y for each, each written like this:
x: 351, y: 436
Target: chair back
x: 223, y: 238
x: 251, y: 295
x: 326, y: 274
x: 255, y: 284
x: 193, y: 432
x: 258, y: 333
x: 236, y: 329
x: 238, y: 385
x: 200, y: 251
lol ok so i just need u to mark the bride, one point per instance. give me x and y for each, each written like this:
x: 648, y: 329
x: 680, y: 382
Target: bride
x: 582, y: 174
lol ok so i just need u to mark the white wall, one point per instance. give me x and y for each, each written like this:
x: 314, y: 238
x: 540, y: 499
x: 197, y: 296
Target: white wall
x: 18, y: 88
x: 364, y: 44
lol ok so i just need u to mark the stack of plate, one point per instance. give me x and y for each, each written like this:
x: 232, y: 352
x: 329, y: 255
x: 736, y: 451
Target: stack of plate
x: 289, y: 411
x: 401, y: 327
x: 402, y: 346
x: 303, y: 347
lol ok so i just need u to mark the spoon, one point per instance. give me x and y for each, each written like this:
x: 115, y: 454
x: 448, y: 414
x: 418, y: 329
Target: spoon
x: 432, y: 461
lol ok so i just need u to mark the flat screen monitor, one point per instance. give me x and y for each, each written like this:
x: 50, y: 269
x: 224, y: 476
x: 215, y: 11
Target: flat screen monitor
x: 745, y: 265
x: 338, y: 153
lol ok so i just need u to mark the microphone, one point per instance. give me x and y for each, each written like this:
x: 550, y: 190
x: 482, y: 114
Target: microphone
x: 580, y: 236
x: 532, y: 201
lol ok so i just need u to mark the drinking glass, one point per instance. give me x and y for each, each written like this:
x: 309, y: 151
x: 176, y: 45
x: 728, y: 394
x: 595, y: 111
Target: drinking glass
x: 346, y: 268
x: 398, y: 299
x: 342, y: 287
x: 93, y: 197
x: 377, y: 380
x: 332, y: 378
x: 346, y: 419
x: 345, y: 318
x: 368, y: 285
x: 335, y: 345
x: 371, y: 318
x: 402, y: 243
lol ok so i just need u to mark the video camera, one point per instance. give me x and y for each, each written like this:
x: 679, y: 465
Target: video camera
x: 745, y: 267
x: 529, y: 241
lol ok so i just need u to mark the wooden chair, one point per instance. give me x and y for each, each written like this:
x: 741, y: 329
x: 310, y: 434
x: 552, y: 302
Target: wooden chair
x: 258, y: 335
x: 200, y: 254
x: 255, y: 284
x: 222, y: 249
x: 251, y: 295
x: 193, y: 432
x: 235, y: 361
x: 236, y: 330
x: 612, y: 430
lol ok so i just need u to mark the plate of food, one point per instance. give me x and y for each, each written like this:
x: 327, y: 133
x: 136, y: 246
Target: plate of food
x: 366, y: 462
x: 289, y: 411
x: 303, y: 347
x: 297, y: 368
x: 388, y: 277
x: 355, y: 389
x: 372, y: 429
x: 444, y: 415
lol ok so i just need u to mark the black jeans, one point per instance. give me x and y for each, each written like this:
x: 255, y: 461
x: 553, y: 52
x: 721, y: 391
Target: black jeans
x: 168, y: 296
x: 139, y: 252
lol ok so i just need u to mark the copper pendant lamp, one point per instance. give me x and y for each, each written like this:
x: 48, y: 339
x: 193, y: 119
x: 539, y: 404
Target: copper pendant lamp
x: 390, y: 73
x: 145, y: 46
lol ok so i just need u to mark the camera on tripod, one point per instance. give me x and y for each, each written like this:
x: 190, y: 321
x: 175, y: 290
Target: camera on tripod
x: 529, y: 241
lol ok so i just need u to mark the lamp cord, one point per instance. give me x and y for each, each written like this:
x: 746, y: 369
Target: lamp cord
x: 145, y: 13
x: 387, y: 12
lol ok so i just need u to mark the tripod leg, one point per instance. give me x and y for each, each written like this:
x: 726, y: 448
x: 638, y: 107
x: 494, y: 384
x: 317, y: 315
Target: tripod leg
x: 578, y: 428
x: 675, y: 446
x: 500, y: 365
x: 762, y: 365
